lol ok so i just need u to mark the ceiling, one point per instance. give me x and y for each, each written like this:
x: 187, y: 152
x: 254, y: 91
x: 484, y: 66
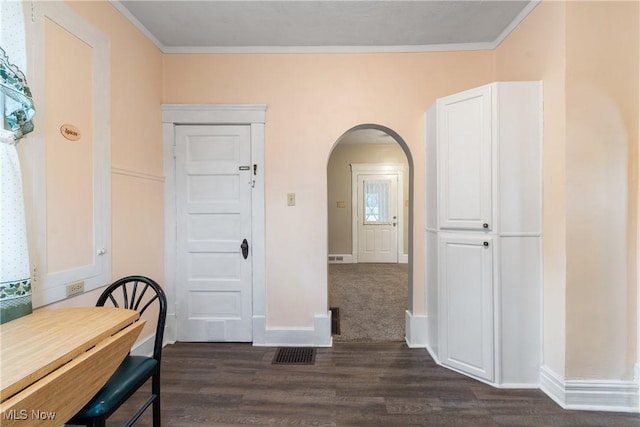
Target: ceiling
x: 300, y: 26
x: 303, y: 26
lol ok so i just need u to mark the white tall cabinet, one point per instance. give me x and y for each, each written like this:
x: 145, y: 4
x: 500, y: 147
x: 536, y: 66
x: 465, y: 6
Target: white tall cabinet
x: 484, y: 232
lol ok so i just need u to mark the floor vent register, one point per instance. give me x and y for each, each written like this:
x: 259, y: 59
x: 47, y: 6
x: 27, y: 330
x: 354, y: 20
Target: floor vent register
x: 294, y: 356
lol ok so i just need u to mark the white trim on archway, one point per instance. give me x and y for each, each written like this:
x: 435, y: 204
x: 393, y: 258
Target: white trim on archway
x: 415, y: 325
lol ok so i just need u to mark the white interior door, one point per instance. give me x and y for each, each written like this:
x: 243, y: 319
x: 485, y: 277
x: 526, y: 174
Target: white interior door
x: 213, y: 198
x: 378, y: 218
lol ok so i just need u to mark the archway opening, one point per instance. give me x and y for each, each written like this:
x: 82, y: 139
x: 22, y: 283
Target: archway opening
x: 370, y: 228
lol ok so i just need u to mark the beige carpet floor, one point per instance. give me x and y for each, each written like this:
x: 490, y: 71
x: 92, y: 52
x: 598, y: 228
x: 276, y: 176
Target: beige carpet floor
x: 372, y: 299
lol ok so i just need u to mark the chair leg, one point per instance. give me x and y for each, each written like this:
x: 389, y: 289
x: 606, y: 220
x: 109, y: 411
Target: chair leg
x: 156, y: 412
x: 155, y: 389
x: 98, y: 422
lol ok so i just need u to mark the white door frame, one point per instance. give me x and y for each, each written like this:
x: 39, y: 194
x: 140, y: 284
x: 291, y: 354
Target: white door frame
x: 216, y: 114
x: 377, y: 169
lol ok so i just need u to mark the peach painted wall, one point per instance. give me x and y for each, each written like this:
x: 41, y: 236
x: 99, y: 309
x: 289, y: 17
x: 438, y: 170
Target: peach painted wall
x: 536, y: 51
x: 137, y: 182
x: 602, y: 181
x: 312, y: 100
x: 589, y: 68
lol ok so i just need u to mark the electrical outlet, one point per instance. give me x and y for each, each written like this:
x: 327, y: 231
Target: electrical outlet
x: 75, y: 288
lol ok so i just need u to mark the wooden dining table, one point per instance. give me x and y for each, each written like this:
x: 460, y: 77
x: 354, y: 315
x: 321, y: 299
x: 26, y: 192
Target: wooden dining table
x: 52, y: 362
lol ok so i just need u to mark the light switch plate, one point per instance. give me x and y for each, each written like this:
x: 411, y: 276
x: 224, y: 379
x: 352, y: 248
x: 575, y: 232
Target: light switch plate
x: 291, y: 199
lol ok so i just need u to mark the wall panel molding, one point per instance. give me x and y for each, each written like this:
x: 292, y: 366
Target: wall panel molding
x: 136, y: 174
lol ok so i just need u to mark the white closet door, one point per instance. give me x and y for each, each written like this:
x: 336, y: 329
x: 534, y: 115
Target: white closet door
x: 213, y: 187
x: 465, y: 157
x: 466, y: 304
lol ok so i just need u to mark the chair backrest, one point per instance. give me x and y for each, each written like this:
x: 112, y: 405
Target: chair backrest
x: 138, y: 293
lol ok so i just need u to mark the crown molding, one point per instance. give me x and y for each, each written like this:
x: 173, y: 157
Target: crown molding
x: 447, y: 47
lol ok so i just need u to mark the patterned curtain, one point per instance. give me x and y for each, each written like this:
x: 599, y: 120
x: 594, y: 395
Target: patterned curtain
x: 17, y: 104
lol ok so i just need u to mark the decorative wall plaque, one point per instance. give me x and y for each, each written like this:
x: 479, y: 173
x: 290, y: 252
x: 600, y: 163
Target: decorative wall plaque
x: 70, y: 132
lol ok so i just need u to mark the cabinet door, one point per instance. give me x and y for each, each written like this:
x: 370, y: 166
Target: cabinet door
x: 466, y: 304
x: 465, y: 159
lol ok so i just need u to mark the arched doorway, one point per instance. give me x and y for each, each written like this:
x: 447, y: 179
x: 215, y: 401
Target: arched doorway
x: 368, y: 296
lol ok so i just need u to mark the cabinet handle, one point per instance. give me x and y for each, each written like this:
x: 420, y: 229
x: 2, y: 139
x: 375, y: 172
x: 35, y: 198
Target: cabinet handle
x: 486, y: 244
x: 485, y: 225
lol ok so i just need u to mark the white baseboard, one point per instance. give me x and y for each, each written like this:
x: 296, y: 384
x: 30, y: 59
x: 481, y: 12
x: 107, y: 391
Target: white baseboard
x: 349, y: 259
x: 433, y: 355
x: 340, y: 259
x: 590, y: 395
x: 170, y: 328
x: 517, y: 386
x: 259, y: 328
x: 317, y: 336
x: 415, y: 330
x: 144, y: 346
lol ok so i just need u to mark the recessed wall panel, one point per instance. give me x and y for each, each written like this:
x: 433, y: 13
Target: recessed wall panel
x: 69, y: 163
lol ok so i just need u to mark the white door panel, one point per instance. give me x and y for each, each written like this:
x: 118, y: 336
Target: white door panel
x: 466, y: 308
x: 378, y: 218
x: 465, y: 159
x: 213, y: 178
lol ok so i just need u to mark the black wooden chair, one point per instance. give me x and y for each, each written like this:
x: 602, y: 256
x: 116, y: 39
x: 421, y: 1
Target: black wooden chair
x: 135, y: 293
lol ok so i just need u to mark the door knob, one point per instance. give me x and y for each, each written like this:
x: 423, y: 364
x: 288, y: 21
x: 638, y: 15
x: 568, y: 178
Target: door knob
x: 485, y: 225
x: 486, y: 244
x: 245, y: 248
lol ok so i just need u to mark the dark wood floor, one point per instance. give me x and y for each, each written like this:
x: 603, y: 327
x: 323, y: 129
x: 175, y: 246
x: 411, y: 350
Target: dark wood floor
x: 351, y: 384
